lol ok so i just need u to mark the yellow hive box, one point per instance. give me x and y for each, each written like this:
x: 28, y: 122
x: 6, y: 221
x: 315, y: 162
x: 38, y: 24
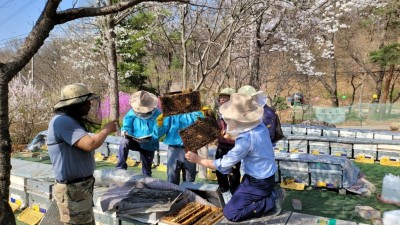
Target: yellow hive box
x: 362, y: 159
x: 211, y: 174
x: 292, y: 185
x: 14, y: 206
x: 131, y: 162
x: 162, y: 168
x: 30, y: 216
x: 385, y: 161
x: 98, y: 157
x: 112, y: 159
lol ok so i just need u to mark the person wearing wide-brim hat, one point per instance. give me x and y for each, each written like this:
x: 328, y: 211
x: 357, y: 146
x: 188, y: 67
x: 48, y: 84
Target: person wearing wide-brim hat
x: 257, y: 194
x: 269, y: 118
x: 71, y: 150
x: 139, y: 122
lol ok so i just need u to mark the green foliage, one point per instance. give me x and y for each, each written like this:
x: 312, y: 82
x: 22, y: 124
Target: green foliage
x: 132, y: 51
x: 280, y: 103
x: 387, y: 55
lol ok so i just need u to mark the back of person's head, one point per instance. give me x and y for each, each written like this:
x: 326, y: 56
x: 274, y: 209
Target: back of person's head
x: 247, y: 90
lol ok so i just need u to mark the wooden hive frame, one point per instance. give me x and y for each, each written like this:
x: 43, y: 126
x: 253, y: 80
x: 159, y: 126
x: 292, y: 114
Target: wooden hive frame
x: 199, y: 134
x: 174, y: 103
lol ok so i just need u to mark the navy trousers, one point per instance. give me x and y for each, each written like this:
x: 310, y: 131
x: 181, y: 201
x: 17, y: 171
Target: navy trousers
x: 253, y: 198
x: 146, y: 156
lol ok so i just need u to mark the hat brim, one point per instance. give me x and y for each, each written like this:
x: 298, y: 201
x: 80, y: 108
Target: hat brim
x: 137, y: 107
x: 64, y: 103
x: 241, y: 123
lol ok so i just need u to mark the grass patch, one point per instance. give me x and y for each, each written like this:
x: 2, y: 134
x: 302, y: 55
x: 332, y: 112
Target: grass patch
x: 318, y: 202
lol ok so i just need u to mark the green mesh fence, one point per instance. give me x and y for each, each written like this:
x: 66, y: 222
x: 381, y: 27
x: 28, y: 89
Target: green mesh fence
x: 358, y: 114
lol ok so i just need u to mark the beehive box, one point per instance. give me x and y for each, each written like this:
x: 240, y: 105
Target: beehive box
x: 18, y: 195
x: 286, y: 129
x: 330, y: 132
x: 293, y: 166
x: 39, y: 202
x: 319, y: 147
x: 390, y: 152
x: 383, y: 136
x: 368, y: 151
x: 347, y: 133
x: 289, y: 176
x: 174, y: 103
x: 193, y: 213
x: 326, y: 178
x: 40, y: 187
x: 364, y: 135
x: 299, y: 130
x: 281, y: 146
x: 298, y: 146
x: 341, y: 149
x: 199, y: 134
x: 314, y: 131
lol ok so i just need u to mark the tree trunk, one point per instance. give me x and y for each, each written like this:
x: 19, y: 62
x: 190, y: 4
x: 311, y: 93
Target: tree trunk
x: 184, y: 11
x: 383, y: 99
x: 112, y: 68
x: 6, y: 214
x: 255, y: 50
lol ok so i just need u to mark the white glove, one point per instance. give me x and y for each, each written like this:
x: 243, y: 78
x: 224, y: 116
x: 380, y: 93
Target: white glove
x: 124, y: 133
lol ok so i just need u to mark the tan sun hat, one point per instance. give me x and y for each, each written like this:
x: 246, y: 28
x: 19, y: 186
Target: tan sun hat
x: 241, y: 113
x: 143, y: 101
x: 72, y: 94
x: 258, y: 96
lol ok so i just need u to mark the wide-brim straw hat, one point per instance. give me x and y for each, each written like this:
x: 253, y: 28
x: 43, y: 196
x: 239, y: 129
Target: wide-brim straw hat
x: 72, y: 94
x: 143, y: 101
x: 241, y: 113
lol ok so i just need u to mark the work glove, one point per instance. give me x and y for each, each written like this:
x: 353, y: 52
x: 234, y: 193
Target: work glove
x: 207, y: 112
x: 160, y: 120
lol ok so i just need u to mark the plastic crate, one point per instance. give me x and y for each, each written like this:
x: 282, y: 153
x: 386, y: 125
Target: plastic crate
x: 326, y: 178
x: 341, y: 149
x: 319, y: 148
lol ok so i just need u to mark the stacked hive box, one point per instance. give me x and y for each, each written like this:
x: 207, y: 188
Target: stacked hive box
x: 342, y: 149
x: 18, y: 192
x: 177, y: 103
x: 298, y: 146
x: 366, y: 151
x: 319, y: 147
x: 326, y: 175
x: 296, y: 172
x: 39, y: 194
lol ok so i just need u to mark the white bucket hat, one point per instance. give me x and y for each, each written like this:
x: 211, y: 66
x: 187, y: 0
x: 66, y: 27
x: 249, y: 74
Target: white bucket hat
x: 241, y: 113
x: 72, y: 94
x: 259, y: 96
x: 143, y: 101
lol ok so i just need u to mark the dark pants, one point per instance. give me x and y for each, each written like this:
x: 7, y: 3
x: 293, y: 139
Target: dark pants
x: 227, y: 182
x: 253, y: 198
x: 176, y: 163
x: 146, y: 156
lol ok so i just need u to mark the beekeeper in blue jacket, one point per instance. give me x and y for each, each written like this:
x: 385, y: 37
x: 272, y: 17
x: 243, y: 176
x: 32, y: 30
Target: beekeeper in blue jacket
x: 138, y: 122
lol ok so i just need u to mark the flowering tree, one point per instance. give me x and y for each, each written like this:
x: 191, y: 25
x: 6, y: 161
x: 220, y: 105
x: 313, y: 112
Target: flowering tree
x: 29, y: 111
x: 124, y: 105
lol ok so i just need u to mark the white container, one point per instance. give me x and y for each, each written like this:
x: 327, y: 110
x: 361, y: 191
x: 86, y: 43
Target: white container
x: 391, y: 188
x: 391, y: 217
